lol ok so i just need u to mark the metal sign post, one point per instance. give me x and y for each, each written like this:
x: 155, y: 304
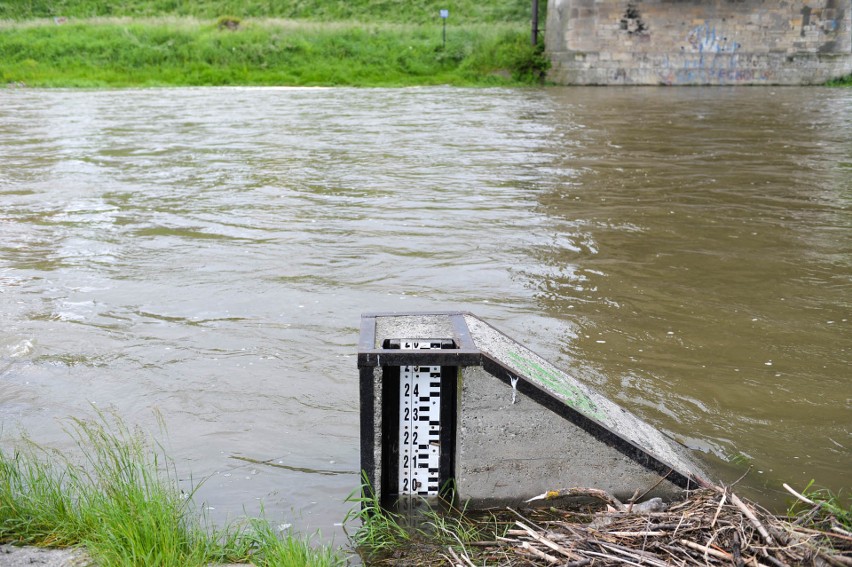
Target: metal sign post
x: 444, y: 15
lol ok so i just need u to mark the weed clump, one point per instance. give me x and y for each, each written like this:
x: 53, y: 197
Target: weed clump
x: 841, y: 82
x: 821, y: 509
x: 228, y: 22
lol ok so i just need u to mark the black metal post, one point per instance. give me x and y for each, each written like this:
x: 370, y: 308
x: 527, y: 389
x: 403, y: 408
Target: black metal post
x: 534, y: 23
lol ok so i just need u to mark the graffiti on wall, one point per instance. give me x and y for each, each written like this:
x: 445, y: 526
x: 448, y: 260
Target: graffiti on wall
x: 721, y: 69
x: 704, y: 39
x: 632, y: 22
x: 707, y: 56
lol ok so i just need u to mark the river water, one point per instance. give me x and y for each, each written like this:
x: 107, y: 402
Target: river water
x: 205, y: 254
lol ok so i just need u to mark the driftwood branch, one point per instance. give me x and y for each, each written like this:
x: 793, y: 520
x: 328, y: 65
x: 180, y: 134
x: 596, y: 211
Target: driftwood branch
x: 588, y: 492
x: 801, y: 497
x: 543, y: 540
x: 538, y: 553
x: 707, y: 550
x: 752, y: 518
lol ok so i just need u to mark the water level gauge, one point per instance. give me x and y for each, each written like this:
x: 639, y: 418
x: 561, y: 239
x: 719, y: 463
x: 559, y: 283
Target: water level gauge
x: 420, y: 403
x: 419, y: 429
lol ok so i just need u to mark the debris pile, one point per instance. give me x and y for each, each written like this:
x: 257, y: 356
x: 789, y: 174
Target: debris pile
x: 711, y: 527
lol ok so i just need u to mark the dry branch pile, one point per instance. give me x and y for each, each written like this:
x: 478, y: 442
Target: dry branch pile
x: 712, y: 527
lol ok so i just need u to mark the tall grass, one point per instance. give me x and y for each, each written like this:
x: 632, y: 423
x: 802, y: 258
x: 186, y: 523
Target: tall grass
x: 378, y: 531
x: 189, y: 52
x: 120, y: 501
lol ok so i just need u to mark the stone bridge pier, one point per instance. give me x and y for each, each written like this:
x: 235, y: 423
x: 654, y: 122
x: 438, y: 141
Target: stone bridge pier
x: 698, y: 42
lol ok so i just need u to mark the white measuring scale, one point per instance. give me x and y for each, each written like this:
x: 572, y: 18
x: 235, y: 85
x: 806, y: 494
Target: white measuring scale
x: 419, y: 424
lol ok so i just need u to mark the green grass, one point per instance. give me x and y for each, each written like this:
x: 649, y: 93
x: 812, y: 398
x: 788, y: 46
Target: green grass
x: 385, y: 536
x: 408, y: 11
x: 123, y: 505
x: 177, y: 52
x: 842, y: 82
x: 378, y: 531
x: 259, y: 543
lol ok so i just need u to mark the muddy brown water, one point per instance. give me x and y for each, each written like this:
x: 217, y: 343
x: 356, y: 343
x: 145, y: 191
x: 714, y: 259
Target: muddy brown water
x: 206, y: 254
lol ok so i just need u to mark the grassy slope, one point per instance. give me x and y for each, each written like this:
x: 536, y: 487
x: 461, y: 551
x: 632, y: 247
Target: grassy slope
x: 288, y: 42
x: 260, y: 53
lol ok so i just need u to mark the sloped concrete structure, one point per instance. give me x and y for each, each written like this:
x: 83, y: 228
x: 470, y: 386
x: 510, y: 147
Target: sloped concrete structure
x: 698, y: 42
x: 499, y: 423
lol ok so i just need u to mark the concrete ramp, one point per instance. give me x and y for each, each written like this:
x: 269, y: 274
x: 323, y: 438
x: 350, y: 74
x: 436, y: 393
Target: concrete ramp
x: 448, y: 402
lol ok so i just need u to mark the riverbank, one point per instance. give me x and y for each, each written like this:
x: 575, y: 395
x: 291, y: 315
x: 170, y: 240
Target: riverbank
x: 711, y: 527
x: 185, y: 51
x: 121, y: 506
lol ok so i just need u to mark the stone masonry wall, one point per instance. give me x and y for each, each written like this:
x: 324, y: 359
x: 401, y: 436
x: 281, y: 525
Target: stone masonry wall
x: 699, y: 42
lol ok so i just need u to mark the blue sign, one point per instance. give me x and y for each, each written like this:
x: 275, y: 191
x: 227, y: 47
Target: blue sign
x: 445, y: 14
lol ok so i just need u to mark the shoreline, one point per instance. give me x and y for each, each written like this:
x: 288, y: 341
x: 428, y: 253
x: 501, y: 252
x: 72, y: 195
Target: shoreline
x: 712, y: 525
